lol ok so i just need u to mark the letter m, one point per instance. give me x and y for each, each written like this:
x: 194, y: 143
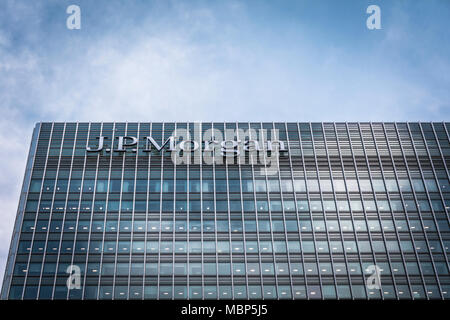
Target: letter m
x: 151, y: 141
x: 230, y: 310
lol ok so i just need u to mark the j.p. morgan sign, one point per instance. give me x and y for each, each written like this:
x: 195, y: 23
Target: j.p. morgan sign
x: 209, y: 147
x: 226, y: 147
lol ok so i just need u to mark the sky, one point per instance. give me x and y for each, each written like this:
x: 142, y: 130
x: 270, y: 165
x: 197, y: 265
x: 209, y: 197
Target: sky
x: 254, y: 60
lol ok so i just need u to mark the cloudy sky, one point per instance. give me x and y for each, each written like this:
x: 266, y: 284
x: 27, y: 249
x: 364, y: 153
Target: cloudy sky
x: 214, y: 60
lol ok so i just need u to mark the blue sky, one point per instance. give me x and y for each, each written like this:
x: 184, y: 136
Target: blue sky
x: 214, y: 60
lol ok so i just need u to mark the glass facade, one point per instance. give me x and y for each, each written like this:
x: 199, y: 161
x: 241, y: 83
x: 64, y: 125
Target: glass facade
x: 346, y: 199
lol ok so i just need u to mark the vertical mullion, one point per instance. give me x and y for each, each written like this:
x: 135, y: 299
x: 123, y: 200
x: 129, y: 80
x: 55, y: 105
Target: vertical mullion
x: 147, y: 213
x: 309, y: 208
x: 242, y: 213
x: 79, y: 204
x: 230, y: 231
x: 119, y: 221
x: 113, y: 133
x: 192, y: 156
x: 132, y: 236
x: 188, y: 226
x: 173, y: 219
x: 216, y: 236
x: 337, y: 208
x: 37, y: 213
x: 282, y: 210
x: 92, y: 211
x: 161, y: 176
x: 256, y: 215
x: 296, y: 210
x: 269, y: 212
